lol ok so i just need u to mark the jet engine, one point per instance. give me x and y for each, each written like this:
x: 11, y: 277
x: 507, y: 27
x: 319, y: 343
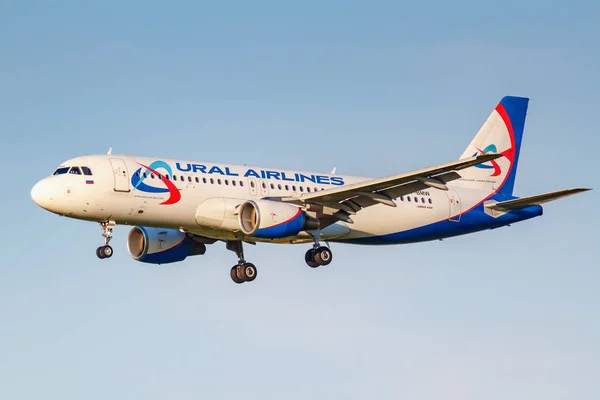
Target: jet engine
x: 161, y: 246
x: 267, y: 219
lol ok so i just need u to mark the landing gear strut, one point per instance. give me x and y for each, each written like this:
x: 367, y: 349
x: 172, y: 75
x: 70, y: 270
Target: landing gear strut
x: 106, y: 251
x: 318, y: 255
x: 243, y: 271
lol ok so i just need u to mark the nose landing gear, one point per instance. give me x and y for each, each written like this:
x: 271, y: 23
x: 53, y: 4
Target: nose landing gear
x: 106, y: 251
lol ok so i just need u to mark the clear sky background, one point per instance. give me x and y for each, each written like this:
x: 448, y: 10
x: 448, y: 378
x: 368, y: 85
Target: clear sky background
x: 372, y: 88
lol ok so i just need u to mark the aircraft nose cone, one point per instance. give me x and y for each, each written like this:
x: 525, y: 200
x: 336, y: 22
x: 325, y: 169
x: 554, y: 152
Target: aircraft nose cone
x: 40, y: 194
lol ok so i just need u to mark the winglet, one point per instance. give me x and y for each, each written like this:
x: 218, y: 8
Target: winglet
x: 109, y: 152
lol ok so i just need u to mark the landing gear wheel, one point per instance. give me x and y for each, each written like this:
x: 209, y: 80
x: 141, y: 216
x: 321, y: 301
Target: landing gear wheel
x: 104, y: 251
x: 323, y: 255
x: 249, y: 272
x: 245, y: 272
x: 234, y: 275
x: 309, y: 257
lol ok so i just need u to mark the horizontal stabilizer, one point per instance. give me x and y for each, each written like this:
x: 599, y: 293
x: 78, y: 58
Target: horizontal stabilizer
x: 533, y: 200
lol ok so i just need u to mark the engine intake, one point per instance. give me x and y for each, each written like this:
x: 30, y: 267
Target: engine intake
x: 161, y: 246
x: 269, y: 219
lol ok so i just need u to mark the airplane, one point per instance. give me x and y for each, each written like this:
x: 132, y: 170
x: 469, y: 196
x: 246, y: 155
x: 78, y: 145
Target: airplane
x: 178, y: 207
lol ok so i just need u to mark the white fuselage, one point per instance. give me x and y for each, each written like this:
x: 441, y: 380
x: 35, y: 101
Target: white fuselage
x: 110, y: 193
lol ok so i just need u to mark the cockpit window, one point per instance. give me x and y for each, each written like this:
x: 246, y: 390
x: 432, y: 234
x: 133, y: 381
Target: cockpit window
x: 61, y: 171
x: 75, y: 170
x: 86, y: 171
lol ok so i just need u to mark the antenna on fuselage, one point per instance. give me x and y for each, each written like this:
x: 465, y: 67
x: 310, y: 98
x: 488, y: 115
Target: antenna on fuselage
x: 333, y: 170
x: 109, y: 152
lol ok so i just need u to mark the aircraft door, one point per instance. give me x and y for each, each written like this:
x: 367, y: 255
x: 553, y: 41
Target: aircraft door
x: 455, y: 207
x: 264, y: 188
x: 121, y: 177
x: 252, y: 185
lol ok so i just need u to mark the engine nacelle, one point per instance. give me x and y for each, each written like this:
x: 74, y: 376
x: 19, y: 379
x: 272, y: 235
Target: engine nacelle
x: 269, y: 219
x: 161, y: 246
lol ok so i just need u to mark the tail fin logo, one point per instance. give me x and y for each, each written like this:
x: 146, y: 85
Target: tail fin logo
x: 490, y: 149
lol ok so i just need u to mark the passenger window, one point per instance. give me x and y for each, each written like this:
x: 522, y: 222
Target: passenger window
x: 401, y: 198
x: 159, y: 176
x: 408, y: 198
x: 86, y: 171
x: 226, y: 181
x: 167, y: 177
x: 61, y: 171
x: 301, y: 189
x: 75, y: 171
x: 287, y: 187
x: 308, y: 189
x: 294, y: 188
x: 251, y: 184
x: 416, y: 200
x: 152, y: 176
x: 272, y: 186
x: 422, y: 199
x: 197, y: 180
x: 203, y: 180
x: 241, y: 183
x: 219, y: 181
x: 145, y: 175
x: 430, y: 202
x: 233, y: 183
x: 264, y: 185
x: 279, y: 186
x: 212, y: 181
x: 189, y: 178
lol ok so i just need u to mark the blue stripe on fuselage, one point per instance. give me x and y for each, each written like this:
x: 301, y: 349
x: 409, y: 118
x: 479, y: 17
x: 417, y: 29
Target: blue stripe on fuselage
x: 472, y: 221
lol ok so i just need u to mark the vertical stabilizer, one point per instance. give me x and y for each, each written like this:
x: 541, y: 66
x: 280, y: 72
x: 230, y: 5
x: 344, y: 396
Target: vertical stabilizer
x: 500, y: 134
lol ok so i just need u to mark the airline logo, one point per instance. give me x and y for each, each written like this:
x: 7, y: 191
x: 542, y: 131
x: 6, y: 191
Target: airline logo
x: 139, y: 179
x: 490, y: 149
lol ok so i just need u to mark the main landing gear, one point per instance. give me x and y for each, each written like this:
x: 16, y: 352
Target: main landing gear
x: 318, y: 255
x: 106, y: 251
x: 243, y: 271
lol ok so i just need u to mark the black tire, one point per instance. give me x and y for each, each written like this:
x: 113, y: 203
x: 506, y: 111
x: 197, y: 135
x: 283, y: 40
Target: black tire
x: 309, y: 257
x: 106, y: 251
x: 99, y: 253
x: 234, y: 275
x: 250, y: 272
x: 323, y: 256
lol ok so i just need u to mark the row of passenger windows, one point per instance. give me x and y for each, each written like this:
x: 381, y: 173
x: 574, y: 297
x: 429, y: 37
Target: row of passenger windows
x: 73, y: 170
x: 416, y: 199
x: 220, y: 181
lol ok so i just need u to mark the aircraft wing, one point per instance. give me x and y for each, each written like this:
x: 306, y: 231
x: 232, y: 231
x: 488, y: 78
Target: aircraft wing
x: 349, y: 199
x: 533, y: 200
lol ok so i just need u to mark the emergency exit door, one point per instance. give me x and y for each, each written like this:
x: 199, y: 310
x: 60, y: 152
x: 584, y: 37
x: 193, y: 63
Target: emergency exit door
x: 121, y: 177
x: 455, y: 206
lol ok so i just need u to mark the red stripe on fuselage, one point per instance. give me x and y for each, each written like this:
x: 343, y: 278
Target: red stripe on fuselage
x: 175, y: 196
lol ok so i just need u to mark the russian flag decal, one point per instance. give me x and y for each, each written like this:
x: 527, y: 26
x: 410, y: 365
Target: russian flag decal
x: 89, y: 182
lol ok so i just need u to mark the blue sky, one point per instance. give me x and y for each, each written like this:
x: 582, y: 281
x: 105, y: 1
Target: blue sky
x: 375, y: 88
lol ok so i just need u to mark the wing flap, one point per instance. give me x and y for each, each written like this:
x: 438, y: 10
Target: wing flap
x: 534, y: 200
x: 365, y: 193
